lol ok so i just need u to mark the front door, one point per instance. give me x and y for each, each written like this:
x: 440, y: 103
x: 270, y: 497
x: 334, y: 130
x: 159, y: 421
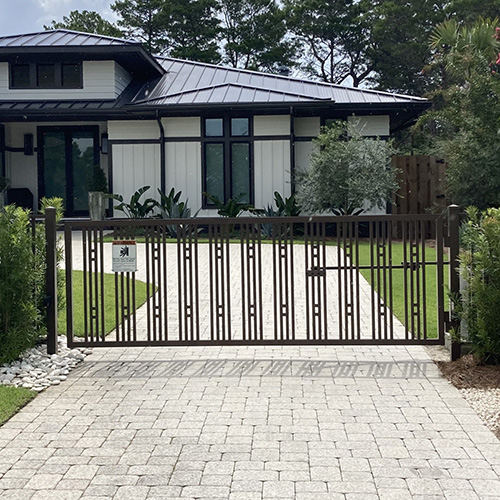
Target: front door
x: 66, y: 158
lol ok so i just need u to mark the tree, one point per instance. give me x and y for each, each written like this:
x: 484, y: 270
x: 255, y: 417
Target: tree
x: 255, y: 35
x: 334, y: 35
x: 186, y: 29
x: 87, y: 22
x: 193, y: 30
x: 466, y: 117
x: 347, y: 173
x: 143, y: 20
x: 399, y: 43
x: 469, y: 11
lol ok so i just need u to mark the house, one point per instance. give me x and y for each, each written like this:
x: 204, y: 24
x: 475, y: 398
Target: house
x: 70, y: 100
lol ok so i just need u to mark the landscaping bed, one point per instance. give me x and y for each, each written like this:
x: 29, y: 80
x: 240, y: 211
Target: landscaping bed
x: 479, y: 384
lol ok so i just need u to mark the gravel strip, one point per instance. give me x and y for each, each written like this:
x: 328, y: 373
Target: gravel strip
x: 38, y: 370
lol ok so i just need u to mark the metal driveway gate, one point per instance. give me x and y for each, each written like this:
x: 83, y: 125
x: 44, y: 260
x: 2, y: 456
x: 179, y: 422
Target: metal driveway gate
x: 249, y: 281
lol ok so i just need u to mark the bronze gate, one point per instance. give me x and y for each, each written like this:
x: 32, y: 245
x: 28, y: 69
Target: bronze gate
x: 250, y: 281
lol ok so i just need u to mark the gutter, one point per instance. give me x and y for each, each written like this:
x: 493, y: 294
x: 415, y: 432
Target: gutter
x: 163, y: 180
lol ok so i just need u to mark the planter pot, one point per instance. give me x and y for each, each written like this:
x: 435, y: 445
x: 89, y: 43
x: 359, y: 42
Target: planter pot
x: 97, y: 205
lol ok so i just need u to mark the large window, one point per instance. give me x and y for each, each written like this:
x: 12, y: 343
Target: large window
x: 227, y: 161
x: 46, y: 75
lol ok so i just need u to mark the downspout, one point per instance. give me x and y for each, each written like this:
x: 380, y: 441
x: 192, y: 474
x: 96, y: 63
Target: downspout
x: 162, y: 153
x: 292, y: 151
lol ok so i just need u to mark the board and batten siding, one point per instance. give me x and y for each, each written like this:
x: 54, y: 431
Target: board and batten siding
x: 101, y: 80
x: 272, y: 171
x: 135, y: 166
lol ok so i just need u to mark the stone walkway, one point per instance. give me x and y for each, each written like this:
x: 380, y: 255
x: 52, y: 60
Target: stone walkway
x: 250, y: 423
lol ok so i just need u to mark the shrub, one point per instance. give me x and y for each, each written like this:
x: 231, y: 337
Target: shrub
x: 22, y: 276
x: 346, y: 172
x: 480, y: 267
x: 136, y: 209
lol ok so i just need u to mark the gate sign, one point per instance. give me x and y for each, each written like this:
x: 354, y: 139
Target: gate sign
x: 124, y: 256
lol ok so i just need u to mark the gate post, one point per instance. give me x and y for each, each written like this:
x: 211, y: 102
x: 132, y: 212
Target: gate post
x: 51, y: 278
x: 454, y: 279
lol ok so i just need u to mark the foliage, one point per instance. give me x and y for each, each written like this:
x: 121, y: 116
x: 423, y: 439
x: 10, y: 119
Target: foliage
x: 287, y: 207
x: 466, y: 114
x: 232, y: 208
x: 333, y: 37
x: 347, y: 172
x: 12, y: 399
x: 97, y: 180
x: 480, y: 267
x: 22, y: 279
x: 179, y: 28
x: 87, y: 22
x: 171, y: 208
x: 399, y: 50
x: 254, y: 35
x: 469, y: 11
x: 136, y: 209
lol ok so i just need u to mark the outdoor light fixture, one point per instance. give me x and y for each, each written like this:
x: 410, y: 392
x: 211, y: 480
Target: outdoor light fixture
x: 104, y: 144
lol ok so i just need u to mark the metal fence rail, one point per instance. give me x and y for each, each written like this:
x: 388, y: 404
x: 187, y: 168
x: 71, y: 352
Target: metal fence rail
x: 303, y: 280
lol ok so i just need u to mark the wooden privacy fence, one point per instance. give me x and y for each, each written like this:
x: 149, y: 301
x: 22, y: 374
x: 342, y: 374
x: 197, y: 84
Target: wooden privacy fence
x: 422, y: 185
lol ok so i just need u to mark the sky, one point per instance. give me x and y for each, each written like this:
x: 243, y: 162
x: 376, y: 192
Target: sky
x: 27, y: 16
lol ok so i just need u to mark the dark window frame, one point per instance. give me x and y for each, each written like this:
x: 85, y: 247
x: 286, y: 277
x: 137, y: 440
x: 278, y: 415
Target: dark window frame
x: 227, y: 140
x: 33, y: 75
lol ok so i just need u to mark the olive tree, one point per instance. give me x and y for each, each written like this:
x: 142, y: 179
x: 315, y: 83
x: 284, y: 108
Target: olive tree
x: 348, y: 172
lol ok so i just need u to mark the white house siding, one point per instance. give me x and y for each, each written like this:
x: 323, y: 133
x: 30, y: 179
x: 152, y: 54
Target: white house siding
x: 22, y: 170
x: 133, y: 130
x: 184, y: 126
x: 271, y: 125
x: 371, y: 125
x: 101, y: 80
x: 271, y: 171
x: 303, y: 150
x: 134, y: 166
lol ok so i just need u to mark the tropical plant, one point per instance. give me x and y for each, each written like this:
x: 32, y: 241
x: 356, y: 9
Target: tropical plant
x: 348, y: 173
x: 171, y: 208
x: 232, y: 208
x: 287, y: 207
x: 136, y: 209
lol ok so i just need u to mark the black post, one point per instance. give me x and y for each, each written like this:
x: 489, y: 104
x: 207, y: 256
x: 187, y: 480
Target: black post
x: 453, y: 233
x: 51, y: 278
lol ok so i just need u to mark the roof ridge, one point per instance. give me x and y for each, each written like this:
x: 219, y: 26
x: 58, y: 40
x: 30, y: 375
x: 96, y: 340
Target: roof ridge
x: 290, y: 78
x: 64, y: 30
x: 234, y: 84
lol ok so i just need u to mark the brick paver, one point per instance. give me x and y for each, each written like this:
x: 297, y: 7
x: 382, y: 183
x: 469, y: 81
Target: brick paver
x: 330, y: 423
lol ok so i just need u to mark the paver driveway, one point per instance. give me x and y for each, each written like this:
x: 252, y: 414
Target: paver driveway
x: 250, y: 423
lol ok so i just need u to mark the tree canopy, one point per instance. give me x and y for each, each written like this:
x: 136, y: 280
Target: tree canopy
x: 86, y: 21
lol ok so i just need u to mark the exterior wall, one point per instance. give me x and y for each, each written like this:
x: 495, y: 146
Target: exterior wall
x: 272, y: 171
x: 184, y: 126
x: 101, y: 80
x: 128, y: 130
x: 21, y: 170
x: 271, y: 125
x: 134, y: 166
x: 371, y: 125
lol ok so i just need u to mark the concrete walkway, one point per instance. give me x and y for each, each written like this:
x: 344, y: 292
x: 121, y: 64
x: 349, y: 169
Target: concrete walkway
x: 250, y: 423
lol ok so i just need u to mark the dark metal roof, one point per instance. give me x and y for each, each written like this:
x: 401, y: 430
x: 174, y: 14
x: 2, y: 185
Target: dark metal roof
x: 62, y: 38
x: 187, y: 82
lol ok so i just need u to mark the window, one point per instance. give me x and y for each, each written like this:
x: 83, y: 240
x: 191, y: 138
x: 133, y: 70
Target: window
x: 46, y: 75
x: 227, y: 171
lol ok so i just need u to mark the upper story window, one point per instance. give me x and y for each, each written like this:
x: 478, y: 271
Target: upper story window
x: 44, y: 75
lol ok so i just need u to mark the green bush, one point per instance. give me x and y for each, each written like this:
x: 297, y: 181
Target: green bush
x: 480, y: 267
x: 22, y: 276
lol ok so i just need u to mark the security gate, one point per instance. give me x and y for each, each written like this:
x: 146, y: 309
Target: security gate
x: 250, y: 281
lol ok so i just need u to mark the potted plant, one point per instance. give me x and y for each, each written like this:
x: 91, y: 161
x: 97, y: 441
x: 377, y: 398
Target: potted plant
x: 98, y: 189
x: 4, y: 184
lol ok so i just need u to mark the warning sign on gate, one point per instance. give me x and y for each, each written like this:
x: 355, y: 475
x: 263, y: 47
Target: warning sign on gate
x: 124, y: 256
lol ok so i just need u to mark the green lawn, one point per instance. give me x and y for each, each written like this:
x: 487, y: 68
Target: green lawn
x: 12, y: 399
x: 398, y: 284
x: 109, y: 303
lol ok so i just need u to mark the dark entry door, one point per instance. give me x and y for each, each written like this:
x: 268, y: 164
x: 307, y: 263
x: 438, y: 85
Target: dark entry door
x: 66, y: 159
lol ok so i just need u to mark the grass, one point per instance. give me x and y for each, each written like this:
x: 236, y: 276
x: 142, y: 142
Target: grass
x: 12, y: 399
x: 109, y: 304
x: 398, y: 285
